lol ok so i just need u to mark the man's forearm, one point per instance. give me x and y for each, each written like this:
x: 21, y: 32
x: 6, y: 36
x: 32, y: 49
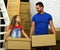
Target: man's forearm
x: 53, y: 30
x: 31, y: 31
x: 52, y: 27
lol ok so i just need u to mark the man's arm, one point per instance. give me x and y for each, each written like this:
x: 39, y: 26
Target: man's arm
x: 52, y: 26
x: 32, y: 29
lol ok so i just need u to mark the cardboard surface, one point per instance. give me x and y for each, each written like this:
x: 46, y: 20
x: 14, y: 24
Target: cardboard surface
x: 18, y: 43
x: 18, y: 49
x: 25, y: 6
x: 43, y: 40
x: 58, y: 34
x: 25, y: 16
x: 13, y: 6
x: 26, y: 25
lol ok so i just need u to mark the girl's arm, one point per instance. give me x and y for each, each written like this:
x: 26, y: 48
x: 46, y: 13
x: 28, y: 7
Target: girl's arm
x: 24, y: 33
x: 7, y: 34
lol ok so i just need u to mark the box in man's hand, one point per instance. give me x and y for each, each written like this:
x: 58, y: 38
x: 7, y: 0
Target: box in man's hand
x: 43, y: 40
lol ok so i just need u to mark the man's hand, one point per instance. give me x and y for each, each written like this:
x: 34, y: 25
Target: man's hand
x: 32, y: 29
x: 30, y: 36
x: 52, y: 27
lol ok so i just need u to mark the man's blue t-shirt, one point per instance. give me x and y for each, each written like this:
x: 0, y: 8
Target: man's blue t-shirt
x: 41, y: 23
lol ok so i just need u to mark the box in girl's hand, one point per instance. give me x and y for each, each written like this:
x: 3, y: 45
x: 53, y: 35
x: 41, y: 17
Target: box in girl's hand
x: 43, y: 40
x: 18, y: 43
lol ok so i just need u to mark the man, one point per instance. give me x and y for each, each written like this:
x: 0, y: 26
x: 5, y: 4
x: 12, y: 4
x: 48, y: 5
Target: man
x: 40, y: 23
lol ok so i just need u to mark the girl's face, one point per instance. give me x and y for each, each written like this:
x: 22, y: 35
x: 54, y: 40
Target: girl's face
x: 18, y: 19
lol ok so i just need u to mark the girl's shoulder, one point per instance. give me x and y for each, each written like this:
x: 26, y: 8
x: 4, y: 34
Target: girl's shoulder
x: 10, y: 27
x: 19, y: 26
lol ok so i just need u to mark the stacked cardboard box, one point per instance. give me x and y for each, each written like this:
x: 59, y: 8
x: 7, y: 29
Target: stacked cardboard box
x: 13, y: 7
x: 25, y: 6
x: 25, y: 16
x: 26, y: 25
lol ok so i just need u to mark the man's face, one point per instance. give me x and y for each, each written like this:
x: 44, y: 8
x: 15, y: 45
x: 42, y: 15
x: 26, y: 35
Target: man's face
x: 39, y: 8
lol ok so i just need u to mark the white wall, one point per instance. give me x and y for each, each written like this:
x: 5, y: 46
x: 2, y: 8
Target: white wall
x: 51, y: 6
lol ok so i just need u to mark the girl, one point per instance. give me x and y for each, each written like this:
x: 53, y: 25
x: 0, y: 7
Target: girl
x: 15, y: 28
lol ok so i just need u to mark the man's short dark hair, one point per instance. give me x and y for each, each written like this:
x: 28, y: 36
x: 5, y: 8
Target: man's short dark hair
x: 40, y: 4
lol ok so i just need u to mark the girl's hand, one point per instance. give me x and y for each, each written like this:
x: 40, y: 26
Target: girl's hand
x: 27, y: 37
x: 4, y: 39
x: 4, y: 43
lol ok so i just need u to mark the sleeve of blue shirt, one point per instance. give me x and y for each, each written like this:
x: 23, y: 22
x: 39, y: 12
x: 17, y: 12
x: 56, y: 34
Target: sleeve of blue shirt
x: 50, y: 18
x: 33, y: 19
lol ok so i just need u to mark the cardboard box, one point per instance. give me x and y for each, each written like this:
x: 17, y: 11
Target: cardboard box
x: 24, y: 6
x: 58, y: 34
x: 43, y: 40
x: 13, y: 0
x: 18, y: 43
x: 11, y: 14
x: 25, y: 16
x: 17, y: 49
x: 28, y: 32
x: 13, y: 8
x: 26, y: 25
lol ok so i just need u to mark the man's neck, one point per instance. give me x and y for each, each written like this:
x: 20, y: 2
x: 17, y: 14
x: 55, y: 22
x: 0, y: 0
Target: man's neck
x: 42, y: 12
